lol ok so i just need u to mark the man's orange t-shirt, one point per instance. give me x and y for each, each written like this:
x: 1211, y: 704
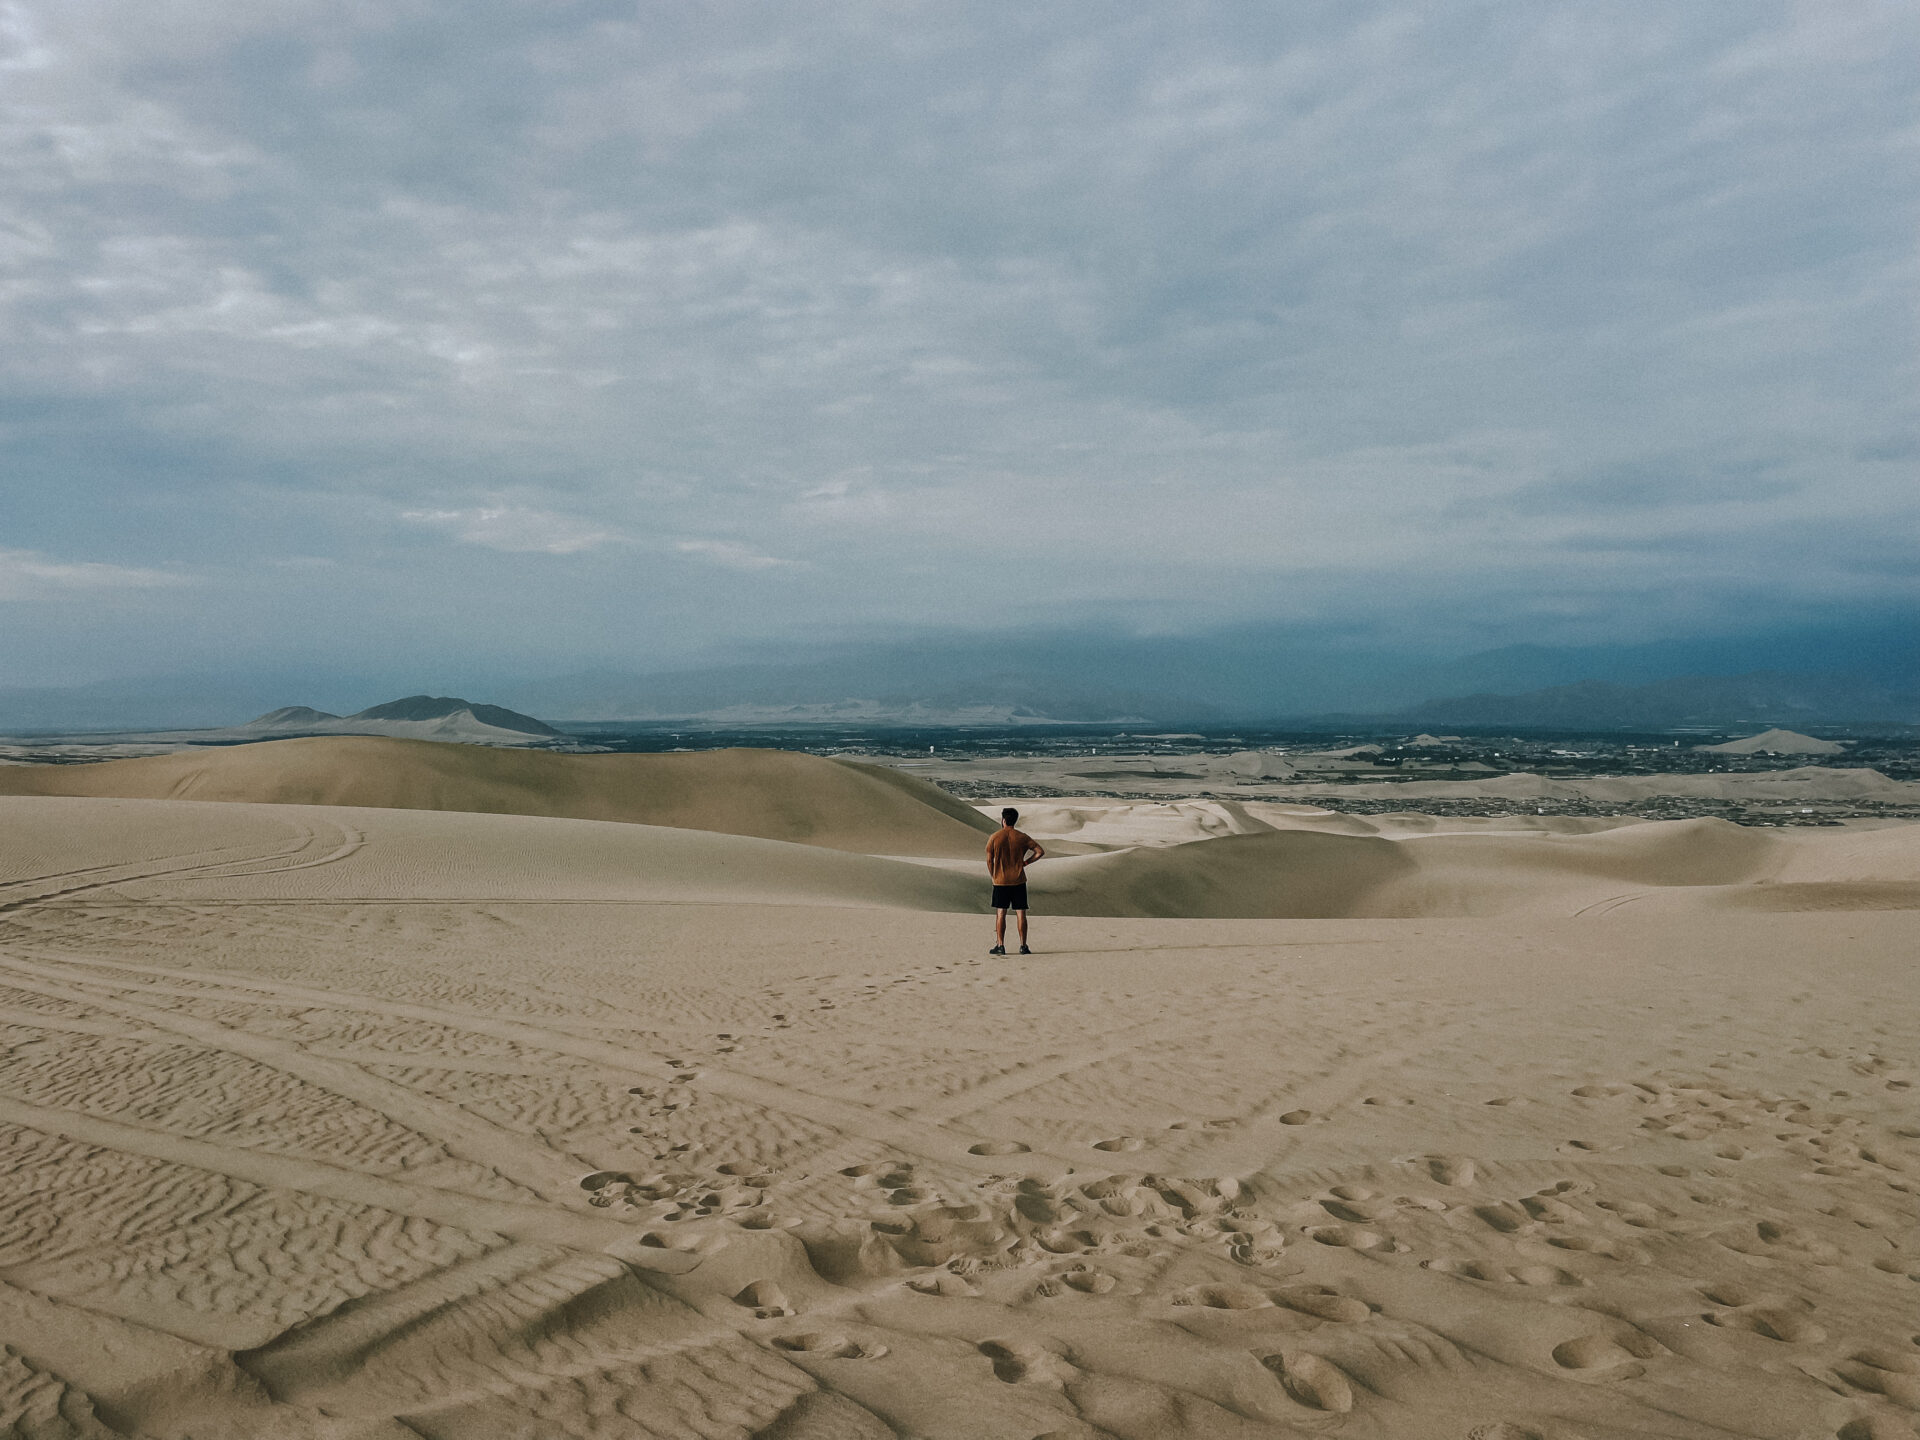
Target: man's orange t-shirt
x: 1007, y: 854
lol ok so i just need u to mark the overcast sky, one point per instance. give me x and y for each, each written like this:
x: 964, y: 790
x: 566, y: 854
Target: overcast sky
x: 550, y: 333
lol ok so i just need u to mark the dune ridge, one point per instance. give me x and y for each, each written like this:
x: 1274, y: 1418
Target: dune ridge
x: 773, y: 794
x: 1297, y: 873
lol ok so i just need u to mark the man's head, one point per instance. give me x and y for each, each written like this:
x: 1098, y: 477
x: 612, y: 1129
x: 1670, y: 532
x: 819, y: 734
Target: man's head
x: 1009, y: 815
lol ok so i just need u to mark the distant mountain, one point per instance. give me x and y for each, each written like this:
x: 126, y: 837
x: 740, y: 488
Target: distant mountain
x: 1763, y: 697
x: 1775, y: 742
x: 420, y: 717
x: 843, y: 694
x: 293, y: 715
x: 442, y: 707
x: 1243, y: 674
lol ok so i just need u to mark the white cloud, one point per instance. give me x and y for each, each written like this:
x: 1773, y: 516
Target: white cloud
x: 731, y: 554
x: 514, y: 528
x: 29, y: 575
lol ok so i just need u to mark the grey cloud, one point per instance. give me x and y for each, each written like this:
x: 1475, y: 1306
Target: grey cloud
x: 1189, y: 315
x: 514, y: 528
x: 27, y: 575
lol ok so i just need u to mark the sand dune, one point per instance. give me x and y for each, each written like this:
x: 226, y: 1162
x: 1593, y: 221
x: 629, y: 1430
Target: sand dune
x: 1295, y: 873
x: 1776, y: 742
x: 1670, y: 865
x: 777, y: 795
x: 350, y: 1122
x: 349, y: 854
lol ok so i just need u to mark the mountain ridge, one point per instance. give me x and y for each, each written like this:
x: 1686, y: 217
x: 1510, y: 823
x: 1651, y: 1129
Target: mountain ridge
x: 406, y: 711
x: 1769, y: 697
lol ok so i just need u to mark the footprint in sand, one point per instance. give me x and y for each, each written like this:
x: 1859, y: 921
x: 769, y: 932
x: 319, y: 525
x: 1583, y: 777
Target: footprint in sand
x: 1089, y: 1282
x: 825, y: 1345
x: 1350, y: 1237
x: 1593, y: 1245
x: 1358, y: 1211
x: 1325, y: 1304
x: 1311, y: 1381
x: 999, y: 1147
x: 761, y: 1220
x: 1116, y: 1195
x: 1066, y: 1242
x: 1041, y: 1208
x: 1386, y: 1100
x: 1506, y: 1217
x: 1892, y: 1373
x: 653, y: 1240
x: 1544, y: 1275
x: 1550, y: 1211
x: 1734, y: 1295
x: 1459, y: 1269
x: 944, y: 1284
x: 1017, y: 1364
x: 1454, y: 1170
x: 1772, y: 1322
x: 1127, y: 1143
x: 1298, y: 1117
x: 1875, y: 1427
x: 1605, y: 1359
x: 1501, y: 1430
x: 766, y: 1299
x: 1224, y: 1297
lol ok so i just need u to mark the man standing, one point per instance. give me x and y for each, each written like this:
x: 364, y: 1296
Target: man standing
x: 1008, y: 854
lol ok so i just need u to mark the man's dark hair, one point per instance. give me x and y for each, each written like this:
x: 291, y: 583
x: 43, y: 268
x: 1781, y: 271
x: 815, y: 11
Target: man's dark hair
x: 1009, y: 815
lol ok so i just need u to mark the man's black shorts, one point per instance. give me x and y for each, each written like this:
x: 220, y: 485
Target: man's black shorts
x: 1010, y: 897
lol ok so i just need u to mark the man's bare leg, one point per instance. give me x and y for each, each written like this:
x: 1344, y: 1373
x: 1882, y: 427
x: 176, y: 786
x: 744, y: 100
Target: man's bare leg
x: 1021, y: 915
x: 1000, y: 926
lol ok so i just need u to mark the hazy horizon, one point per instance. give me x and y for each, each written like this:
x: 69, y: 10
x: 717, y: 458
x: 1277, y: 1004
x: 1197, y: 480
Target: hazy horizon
x: 1246, y: 675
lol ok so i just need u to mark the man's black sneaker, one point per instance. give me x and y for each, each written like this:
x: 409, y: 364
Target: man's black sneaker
x: 1025, y: 951
x: 998, y: 950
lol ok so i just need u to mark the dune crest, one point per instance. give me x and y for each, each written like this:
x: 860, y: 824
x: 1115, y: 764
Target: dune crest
x: 773, y: 794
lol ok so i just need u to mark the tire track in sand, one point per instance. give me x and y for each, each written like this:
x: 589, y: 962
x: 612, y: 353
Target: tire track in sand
x: 521, y: 1158
x: 217, y: 866
x: 907, y: 1134
x: 513, y: 1219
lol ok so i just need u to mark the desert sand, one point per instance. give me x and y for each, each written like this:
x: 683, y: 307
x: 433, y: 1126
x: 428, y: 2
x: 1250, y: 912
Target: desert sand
x: 364, y: 1098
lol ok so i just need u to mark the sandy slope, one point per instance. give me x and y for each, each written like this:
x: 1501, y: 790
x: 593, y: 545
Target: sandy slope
x: 359, y: 1122
x: 775, y: 794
